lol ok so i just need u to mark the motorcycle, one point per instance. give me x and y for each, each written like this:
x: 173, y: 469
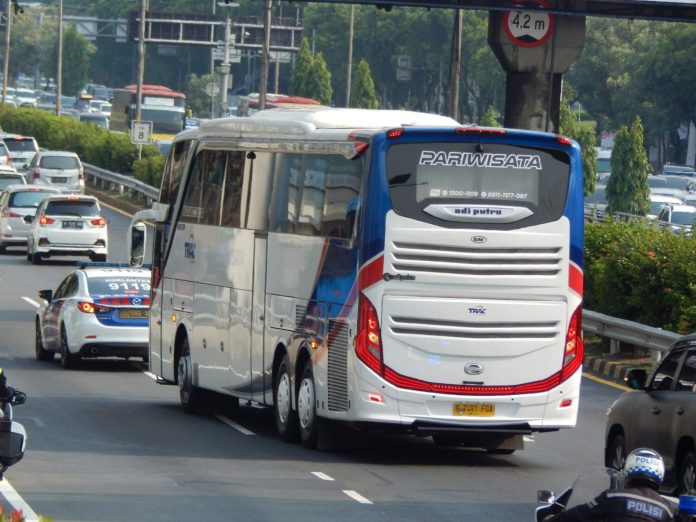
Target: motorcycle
x: 13, y: 437
x: 587, y: 486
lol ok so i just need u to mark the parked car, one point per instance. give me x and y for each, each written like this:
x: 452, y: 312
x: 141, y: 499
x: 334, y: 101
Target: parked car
x: 22, y: 148
x: 67, y: 225
x: 659, y: 413
x: 679, y: 217
x: 96, y: 311
x: 60, y: 169
x: 10, y: 177
x: 657, y: 201
x: 17, y: 201
x: 100, y: 120
x: 677, y: 170
x: 596, y: 204
x: 5, y: 156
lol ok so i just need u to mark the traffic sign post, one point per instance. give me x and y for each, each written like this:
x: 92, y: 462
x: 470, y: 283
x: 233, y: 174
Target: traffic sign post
x: 529, y: 28
x: 141, y: 134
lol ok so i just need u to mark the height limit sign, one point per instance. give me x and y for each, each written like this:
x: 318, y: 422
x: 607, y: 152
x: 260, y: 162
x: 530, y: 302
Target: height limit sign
x: 529, y: 27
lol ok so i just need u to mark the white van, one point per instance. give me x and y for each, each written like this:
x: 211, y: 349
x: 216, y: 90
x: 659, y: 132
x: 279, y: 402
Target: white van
x: 603, y: 164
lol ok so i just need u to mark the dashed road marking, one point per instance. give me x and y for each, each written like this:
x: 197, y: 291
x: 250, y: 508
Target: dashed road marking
x: 322, y: 476
x: 357, y: 496
x: 31, y: 302
x: 234, y: 425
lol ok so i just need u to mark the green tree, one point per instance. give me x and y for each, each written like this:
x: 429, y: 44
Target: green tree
x: 627, y: 189
x: 318, y: 83
x: 362, y: 92
x: 196, y: 98
x: 76, y: 53
x: 490, y: 118
x: 585, y: 136
x: 301, y: 70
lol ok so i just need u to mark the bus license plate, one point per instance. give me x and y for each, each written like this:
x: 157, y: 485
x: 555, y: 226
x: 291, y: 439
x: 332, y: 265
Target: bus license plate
x: 465, y: 409
x: 72, y: 224
x: 137, y: 313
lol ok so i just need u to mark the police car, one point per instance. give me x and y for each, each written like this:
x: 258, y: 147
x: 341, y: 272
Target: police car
x: 98, y: 310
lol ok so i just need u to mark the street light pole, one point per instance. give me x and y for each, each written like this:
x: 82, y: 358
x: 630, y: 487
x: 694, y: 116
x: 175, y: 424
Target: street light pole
x: 266, y: 54
x: 5, y: 67
x: 141, y: 61
x: 59, y: 65
x: 225, y: 67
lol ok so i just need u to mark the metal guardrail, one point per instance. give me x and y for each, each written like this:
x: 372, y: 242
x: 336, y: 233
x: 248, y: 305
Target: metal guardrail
x: 107, y: 180
x: 616, y: 330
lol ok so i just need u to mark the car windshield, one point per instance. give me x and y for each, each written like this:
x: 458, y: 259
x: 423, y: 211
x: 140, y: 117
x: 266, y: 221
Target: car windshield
x: 59, y: 162
x: 6, y: 181
x: 20, y: 144
x: 678, y: 170
x: 680, y: 183
x: 604, y: 165
x: 655, y: 207
x: 72, y: 208
x: 28, y: 199
x: 119, y: 284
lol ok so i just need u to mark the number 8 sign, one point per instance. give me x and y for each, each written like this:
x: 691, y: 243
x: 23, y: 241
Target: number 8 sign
x: 529, y: 28
x: 141, y: 132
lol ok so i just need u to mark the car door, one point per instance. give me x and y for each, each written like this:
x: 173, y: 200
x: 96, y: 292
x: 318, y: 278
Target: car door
x: 655, y: 409
x: 684, y: 401
x: 51, y: 315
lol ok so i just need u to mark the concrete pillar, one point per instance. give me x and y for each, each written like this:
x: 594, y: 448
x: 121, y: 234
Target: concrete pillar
x: 535, y: 67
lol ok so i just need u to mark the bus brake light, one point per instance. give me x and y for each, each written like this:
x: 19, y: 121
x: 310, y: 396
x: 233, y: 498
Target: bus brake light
x: 368, y: 342
x: 478, y: 130
x: 574, y: 347
x: 395, y: 133
x: 563, y: 140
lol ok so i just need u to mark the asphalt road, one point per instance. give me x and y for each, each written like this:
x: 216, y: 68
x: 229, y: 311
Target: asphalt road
x: 106, y: 443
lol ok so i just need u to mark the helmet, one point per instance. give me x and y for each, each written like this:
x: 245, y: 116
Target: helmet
x: 646, y: 465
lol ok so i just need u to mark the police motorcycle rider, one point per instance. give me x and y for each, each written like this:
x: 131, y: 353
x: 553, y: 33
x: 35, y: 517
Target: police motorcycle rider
x: 13, y: 437
x: 638, y: 501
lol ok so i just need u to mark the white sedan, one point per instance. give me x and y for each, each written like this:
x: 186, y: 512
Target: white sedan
x: 98, y: 310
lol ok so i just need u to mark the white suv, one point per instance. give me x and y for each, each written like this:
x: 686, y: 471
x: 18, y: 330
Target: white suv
x: 17, y: 201
x: 67, y: 225
x: 59, y: 169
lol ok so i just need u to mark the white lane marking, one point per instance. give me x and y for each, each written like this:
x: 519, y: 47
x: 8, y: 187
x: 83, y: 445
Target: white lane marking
x: 31, y: 302
x: 236, y: 426
x: 17, y: 502
x: 356, y: 496
x: 322, y: 476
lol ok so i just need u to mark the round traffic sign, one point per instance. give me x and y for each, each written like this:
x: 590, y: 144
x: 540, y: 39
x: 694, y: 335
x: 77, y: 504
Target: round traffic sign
x: 528, y: 28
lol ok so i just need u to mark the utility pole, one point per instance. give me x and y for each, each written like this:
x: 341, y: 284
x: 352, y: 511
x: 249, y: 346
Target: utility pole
x: 455, y: 66
x: 225, y: 69
x: 59, y: 65
x: 5, y: 67
x: 141, y: 60
x: 212, y: 70
x: 349, y: 72
x: 266, y: 54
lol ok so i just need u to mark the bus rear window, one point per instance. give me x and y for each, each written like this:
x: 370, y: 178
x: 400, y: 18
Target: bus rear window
x: 477, y: 185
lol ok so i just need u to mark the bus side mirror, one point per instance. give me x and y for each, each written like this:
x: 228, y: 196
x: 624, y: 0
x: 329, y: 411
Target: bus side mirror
x: 136, y: 245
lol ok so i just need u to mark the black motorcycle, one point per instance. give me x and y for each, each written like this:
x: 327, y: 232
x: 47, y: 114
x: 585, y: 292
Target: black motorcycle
x: 13, y: 437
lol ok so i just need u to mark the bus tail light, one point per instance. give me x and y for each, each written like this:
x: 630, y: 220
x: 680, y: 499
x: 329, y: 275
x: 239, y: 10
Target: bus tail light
x: 43, y: 220
x: 368, y: 342
x: 574, y: 346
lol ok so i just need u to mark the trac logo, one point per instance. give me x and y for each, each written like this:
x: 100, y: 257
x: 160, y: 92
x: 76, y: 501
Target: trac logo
x: 477, y: 310
x: 190, y: 248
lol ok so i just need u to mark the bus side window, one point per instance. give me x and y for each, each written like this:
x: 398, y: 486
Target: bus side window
x: 173, y: 169
x: 310, y: 219
x: 284, y: 199
x: 232, y: 198
x: 192, y: 210
x: 343, y: 181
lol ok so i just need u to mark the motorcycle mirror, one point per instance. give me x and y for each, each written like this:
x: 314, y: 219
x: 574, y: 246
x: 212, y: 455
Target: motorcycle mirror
x: 18, y: 398
x: 546, y: 496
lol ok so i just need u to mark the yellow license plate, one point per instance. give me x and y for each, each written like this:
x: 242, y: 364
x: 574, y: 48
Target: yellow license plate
x: 138, y: 313
x: 464, y: 409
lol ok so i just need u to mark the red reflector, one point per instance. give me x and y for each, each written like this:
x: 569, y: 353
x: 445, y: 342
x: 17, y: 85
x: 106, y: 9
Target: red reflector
x: 479, y: 130
x: 563, y: 140
x: 375, y: 397
x: 360, y: 147
x: 566, y: 402
x: 395, y: 133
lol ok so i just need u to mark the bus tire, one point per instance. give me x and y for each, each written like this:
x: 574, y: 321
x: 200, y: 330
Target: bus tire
x: 307, y: 408
x: 188, y: 393
x: 285, y: 416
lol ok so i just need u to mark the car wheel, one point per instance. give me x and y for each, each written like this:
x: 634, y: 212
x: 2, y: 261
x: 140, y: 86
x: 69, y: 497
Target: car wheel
x: 188, y: 393
x: 41, y: 353
x: 285, y: 417
x: 687, y: 474
x: 98, y: 258
x: 307, y: 408
x: 616, y: 452
x: 67, y: 359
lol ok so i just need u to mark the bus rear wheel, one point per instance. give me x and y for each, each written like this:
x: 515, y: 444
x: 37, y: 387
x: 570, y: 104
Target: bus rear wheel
x: 285, y: 416
x: 306, y: 408
x: 188, y: 393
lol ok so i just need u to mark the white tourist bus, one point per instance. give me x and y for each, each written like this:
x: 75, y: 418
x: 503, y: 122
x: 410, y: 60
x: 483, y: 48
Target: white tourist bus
x: 385, y: 269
